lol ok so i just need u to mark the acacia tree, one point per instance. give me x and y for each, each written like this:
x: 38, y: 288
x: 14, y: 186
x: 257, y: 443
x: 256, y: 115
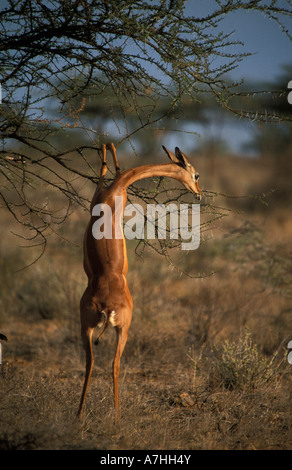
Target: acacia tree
x: 133, y: 55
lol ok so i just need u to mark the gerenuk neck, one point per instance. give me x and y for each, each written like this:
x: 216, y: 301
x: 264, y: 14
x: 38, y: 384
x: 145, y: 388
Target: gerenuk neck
x: 132, y: 175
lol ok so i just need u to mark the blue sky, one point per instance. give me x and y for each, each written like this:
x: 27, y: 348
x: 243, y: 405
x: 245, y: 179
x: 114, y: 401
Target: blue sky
x: 271, y: 47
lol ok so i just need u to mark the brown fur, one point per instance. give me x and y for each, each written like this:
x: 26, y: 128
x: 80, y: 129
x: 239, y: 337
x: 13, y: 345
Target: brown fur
x: 107, y: 298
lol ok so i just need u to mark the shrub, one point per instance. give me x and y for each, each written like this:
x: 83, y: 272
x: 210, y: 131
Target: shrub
x: 238, y: 365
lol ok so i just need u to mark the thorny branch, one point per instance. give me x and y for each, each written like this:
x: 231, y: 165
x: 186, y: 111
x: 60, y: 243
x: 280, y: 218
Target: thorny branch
x: 68, y: 65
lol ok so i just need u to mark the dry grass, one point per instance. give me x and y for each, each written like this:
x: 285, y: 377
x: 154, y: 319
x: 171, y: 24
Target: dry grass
x: 205, y: 365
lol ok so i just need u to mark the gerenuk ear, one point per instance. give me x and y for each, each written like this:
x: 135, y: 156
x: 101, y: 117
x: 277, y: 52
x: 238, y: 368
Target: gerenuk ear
x: 170, y: 155
x: 181, y: 158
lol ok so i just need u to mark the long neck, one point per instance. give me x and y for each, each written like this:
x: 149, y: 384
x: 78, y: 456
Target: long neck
x: 132, y: 175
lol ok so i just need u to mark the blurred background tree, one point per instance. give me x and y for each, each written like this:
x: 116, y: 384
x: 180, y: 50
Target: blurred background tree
x: 76, y: 73
x: 273, y: 141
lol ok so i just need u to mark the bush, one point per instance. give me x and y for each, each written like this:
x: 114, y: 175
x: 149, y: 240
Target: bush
x: 238, y: 365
